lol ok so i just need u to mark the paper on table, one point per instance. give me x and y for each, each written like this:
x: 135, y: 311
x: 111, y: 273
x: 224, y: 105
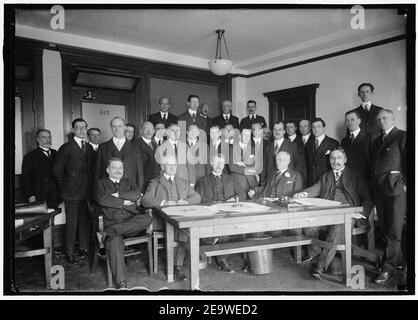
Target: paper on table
x: 243, y: 207
x: 18, y: 222
x: 318, y: 202
x: 189, y: 211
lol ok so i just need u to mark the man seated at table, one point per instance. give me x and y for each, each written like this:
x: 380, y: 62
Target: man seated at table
x: 119, y: 199
x: 219, y: 186
x: 341, y: 184
x: 281, y: 183
x: 170, y: 190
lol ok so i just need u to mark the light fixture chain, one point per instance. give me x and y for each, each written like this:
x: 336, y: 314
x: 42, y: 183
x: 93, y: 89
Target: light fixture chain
x: 226, y: 47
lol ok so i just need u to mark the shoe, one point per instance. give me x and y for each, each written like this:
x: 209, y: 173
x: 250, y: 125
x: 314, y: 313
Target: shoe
x: 246, y: 268
x: 83, y: 254
x: 316, y: 273
x: 224, y: 266
x: 382, y: 278
x: 307, y: 258
x: 70, y: 259
x: 122, y: 285
x: 179, y: 273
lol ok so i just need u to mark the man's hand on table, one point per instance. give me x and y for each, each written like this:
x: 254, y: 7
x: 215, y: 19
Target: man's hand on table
x: 182, y: 202
x: 168, y: 203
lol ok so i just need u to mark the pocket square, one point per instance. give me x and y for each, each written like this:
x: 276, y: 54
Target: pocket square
x: 290, y: 181
x: 328, y: 152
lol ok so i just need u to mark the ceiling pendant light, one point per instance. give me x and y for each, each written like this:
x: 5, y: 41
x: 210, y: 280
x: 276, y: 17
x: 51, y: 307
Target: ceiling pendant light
x: 218, y: 65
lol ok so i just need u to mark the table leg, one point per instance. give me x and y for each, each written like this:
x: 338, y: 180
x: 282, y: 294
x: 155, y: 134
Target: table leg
x: 194, y: 258
x: 347, y: 253
x: 47, y: 234
x: 169, y: 247
x: 298, y: 249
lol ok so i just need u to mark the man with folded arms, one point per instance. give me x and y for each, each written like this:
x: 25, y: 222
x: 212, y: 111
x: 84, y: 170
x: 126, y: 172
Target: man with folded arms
x: 219, y: 186
x: 341, y: 184
x: 170, y: 190
x: 119, y: 199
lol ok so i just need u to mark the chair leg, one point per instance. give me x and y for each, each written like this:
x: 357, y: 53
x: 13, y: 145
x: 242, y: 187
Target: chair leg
x: 95, y: 261
x: 109, y: 272
x: 150, y: 257
x: 155, y: 256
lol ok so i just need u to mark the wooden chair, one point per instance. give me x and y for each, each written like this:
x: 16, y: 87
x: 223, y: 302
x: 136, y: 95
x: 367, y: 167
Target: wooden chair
x: 100, y: 252
x: 368, y: 254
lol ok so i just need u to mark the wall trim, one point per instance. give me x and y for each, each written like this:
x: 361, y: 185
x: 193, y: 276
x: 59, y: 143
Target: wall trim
x: 322, y: 57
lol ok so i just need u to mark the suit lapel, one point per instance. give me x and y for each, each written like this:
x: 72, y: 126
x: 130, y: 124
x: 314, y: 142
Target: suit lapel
x: 77, y: 149
x: 392, y: 134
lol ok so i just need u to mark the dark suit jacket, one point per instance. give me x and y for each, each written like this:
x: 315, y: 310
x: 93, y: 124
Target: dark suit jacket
x: 151, y: 168
x: 197, y: 164
x: 220, y: 121
x: 297, y: 159
x: 368, y: 120
x: 286, y: 184
x: 206, y: 187
x: 226, y: 150
x: 112, y: 207
x: 37, y: 178
x: 156, y: 117
x: 131, y: 157
x: 246, y: 123
x: 158, y: 190
x: 358, y: 153
x: 391, y: 155
x: 354, y: 185
x: 317, y: 161
x: 73, y: 171
x: 200, y: 121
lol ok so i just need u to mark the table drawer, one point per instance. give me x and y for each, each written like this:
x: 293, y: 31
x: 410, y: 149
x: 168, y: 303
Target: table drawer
x: 316, y: 221
x: 241, y: 228
x: 31, y: 231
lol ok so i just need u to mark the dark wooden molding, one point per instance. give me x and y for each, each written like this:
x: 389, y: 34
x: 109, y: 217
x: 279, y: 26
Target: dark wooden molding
x: 326, y: 56
x: 141, y: 69
x: 276, y: 98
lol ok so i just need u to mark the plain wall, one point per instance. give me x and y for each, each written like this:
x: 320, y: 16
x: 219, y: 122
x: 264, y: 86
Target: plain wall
x: 384, y: 66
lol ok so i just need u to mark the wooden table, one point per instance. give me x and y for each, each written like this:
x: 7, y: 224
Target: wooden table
x: 35, y: 223
x: 277, y: 218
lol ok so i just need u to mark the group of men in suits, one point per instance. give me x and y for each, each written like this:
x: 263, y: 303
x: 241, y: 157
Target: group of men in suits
x: 189, y: 159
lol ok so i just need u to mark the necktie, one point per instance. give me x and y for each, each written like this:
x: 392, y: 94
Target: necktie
x: 194, y: 117
x: 316, y: 144
x: 384, y: 135
x: 83, y: 147
x: 151, y: 146
x: 170, y: 179
x: 337, y: 175
x: 47, y: 152
x: 175, y: 149
x: 351, y: 138
x: 276, y: 148
x: 226, y: 119
x: 165, y: 117
x: 159, y: 142
x: 116, y: 185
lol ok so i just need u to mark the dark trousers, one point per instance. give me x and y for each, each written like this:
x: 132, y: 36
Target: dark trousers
x: 330, y: 234
x: 391, y: 212
x: 77, y: 217
x: 115, y: 245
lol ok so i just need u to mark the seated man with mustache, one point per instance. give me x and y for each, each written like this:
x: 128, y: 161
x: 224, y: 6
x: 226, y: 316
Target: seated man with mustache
x: 342, y: 184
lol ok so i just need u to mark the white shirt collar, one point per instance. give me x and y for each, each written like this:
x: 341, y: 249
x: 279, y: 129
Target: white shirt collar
x: 192, y: 140
x: 320, y: 138
x: 164, y: 113
x: 243, y: 145
x: 252, y: 116
x: 173, y: 142
x: 306, y: 137
x: 44, y: 149
x: 227, y: 115
x: 168, y: 177
x: 368, y: 104
x: 94, y: 145
x: 231, y: 141
x: 279, y: 142
x: 204, y: 116
x: 192, y: 112
x: 355, y: 132
x: 121, y: 140
x: 114, y: 180
x: 257, y: 140
x: 216, y: 175
x: 78, y: 140
x: 292, y: 137
x: 147, y: 141
x: 389, y: 130
x: 339, y: 171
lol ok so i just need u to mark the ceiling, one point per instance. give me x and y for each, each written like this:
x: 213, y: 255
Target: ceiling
x: 257, y: 38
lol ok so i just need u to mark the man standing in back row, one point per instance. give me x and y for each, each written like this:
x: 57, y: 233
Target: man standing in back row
x: 367, y: 110
x: 247, y: 122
